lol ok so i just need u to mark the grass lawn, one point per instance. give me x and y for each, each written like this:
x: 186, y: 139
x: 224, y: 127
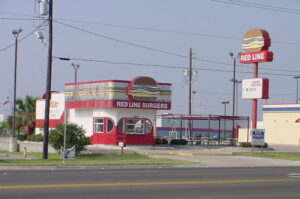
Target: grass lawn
x: 89, y: 160
x: 285, y: 156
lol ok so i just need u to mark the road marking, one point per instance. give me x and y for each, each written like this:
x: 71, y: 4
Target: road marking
x: 143, y: 183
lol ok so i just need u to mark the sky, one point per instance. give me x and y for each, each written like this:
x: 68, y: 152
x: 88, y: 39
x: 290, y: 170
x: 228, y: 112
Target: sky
x: 97, y: 33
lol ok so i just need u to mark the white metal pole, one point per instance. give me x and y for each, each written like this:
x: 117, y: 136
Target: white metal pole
x: 65, y: 133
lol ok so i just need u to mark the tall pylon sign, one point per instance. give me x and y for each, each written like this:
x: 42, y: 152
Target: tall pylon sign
x: 256, y: 43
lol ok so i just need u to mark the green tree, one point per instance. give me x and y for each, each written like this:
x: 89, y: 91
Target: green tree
x: 9, y: 123
x: 25, y: 117
x: 74, y: 137
x: 3, y: 128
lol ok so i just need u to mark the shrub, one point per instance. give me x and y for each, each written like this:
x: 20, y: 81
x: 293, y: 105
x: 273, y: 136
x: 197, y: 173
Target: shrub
x: 161, y: 141
x: 178, y: 142
x: 74, y: 137
x: 248, y: 144
x: 245, y: 144
x: 36, y: 138
x: 21, y: 137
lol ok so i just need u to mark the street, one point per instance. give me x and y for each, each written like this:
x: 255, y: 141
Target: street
x: 267, y: 182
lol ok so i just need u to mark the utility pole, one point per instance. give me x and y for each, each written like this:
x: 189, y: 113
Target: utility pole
x: 190, y: 82
x: 16, y: 34
x: 233, y: 90
x: 48, y: 84
x: 190, y: 92
x: 225, y: 103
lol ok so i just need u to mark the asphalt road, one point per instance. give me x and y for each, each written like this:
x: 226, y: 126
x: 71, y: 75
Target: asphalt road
x: 131, y: 183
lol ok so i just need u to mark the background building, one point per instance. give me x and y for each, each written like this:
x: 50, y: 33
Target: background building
x: 281, y: 123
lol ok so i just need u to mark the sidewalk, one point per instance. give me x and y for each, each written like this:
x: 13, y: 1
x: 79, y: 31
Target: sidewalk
x: 211, y: 156
x: 189, y: 150
x: 222, y: 156
x: 205, y: 156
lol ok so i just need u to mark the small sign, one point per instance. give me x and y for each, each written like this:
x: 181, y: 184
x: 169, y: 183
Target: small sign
x: 69, y: 153
x: 122, y: 144
x: 256, y: 88
x: 258, y: 137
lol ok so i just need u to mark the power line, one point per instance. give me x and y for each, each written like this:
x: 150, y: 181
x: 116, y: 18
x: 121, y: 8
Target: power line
x: 16, y: 14
x: 121, y: 41
x: 164, y: 66
x: 268, y: 6
x: 156, y: 50
x: 167, y: 31
x: 148, y: 29
x: 18, y: 19
x: 148, y: 48
x: 11, y: 45
x: 259, y: 6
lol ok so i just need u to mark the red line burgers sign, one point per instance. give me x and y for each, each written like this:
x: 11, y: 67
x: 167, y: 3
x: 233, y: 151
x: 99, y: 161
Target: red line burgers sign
x: 256, y: 43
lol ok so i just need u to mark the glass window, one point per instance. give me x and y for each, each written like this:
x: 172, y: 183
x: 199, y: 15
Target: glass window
x: 148, y: 125
x: 121, y: 125
x: 134, y: 126
x: 99, y: 125
x: 109, y: 125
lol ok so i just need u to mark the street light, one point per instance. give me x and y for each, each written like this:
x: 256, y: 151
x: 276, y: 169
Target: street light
x: 237, y: 96
x: 225, y: 103
x: 233, y: 82
x: 16, y: 34
x: 297, y: 77
x: 76, y: 67
x: 233, y: 89
x: 237, y: 82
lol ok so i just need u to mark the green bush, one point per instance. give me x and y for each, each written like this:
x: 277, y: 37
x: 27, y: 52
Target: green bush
x: 248, y: 144
x: 36, y: 138
x: 264, y: 146
x: 74, y: 137
x: 21, y: 137
x: 178, y: 142
x: 161, y: 141
x: 245, y: 144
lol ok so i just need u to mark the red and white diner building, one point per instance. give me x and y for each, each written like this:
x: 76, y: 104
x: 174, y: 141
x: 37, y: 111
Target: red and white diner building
x: 110, y: 111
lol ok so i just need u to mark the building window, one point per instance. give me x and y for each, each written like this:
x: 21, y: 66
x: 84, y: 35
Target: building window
x: 103, y: 125
x: 109, y: 125
x: 148, y: 126
x: 99, y: 125
x: 134, y: 126
x: 121, y: 125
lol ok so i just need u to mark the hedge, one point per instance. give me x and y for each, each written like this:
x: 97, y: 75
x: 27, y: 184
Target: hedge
x: 178, y: 142
x: 248, y: 144
x: 36, y: 138
x: 161, y: 141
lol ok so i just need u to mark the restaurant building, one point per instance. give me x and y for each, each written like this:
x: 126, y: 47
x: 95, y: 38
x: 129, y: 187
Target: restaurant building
x: 110, y: 111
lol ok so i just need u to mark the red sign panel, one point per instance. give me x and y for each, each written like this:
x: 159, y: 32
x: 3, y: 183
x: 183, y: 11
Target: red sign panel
x: 252, y: 57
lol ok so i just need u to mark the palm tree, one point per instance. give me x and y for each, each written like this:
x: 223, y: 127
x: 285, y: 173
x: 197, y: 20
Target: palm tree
x: 9, y: 122
x: 25, y: 116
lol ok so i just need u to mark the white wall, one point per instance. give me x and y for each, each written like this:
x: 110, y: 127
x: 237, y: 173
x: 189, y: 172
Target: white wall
x: 84, y: 117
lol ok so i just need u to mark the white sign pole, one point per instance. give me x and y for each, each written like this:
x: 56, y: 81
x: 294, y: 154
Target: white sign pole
x: 65, y: 133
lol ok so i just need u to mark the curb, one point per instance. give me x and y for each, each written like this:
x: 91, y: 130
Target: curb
x: 201, y: 154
